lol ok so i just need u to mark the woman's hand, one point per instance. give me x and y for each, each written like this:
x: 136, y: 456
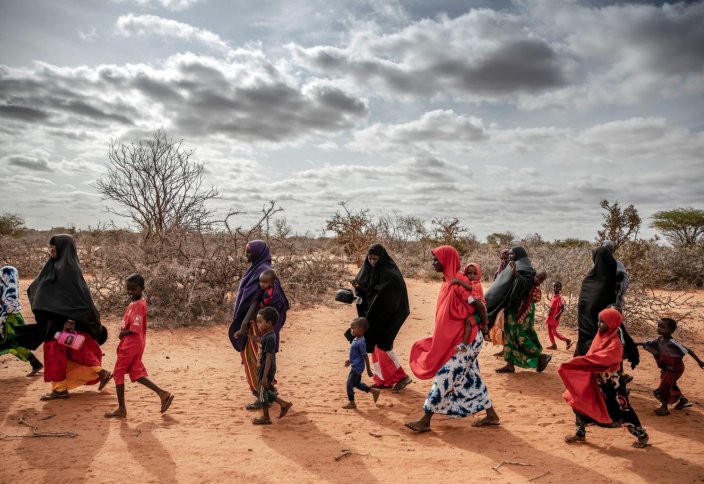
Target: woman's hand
x: 512, y: 265
x: 70, y: 326
x: 354, y: 283
x: 238, y: 334
x: 454, y: 281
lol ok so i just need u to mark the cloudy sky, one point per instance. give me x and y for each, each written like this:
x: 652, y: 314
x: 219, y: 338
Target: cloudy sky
x: 511, y: 115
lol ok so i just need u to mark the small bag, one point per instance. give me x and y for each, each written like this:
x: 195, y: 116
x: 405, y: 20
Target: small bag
x: 345, y: 295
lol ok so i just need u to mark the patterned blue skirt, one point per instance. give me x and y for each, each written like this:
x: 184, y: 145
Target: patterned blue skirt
x: 459, y: 389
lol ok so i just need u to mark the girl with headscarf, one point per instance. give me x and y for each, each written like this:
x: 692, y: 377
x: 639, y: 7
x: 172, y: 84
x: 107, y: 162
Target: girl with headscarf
x: 514, y: 292
x: 382, y: 288
x: 243, y: 334
x: 459, y: 389
x: 61, y: 301
x: 11, y: 318
x: 594, y: 388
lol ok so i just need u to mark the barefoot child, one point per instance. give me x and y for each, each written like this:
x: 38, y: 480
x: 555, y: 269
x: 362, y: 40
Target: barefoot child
x: 266, y: 372
x: 358, y: 361
x: 594, y: 388
x: 133, y: 335
x: 475, y: 300
x: 669, y: 355
x: 557, y: 306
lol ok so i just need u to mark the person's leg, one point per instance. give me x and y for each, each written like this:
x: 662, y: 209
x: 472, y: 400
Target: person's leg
x: 285, y: 406
x: 662, y: 393
x: 265, y: 403
x: 352, y: 378
x: 36, y: 364
x: 358, y: 383
x: 121, y: 411
x: 422, y: 425
x: 580, y: 434
x: 551, y: 335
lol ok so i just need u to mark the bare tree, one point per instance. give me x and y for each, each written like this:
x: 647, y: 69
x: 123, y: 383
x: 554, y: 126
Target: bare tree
x: 156, y: 185
x: 619, y: 224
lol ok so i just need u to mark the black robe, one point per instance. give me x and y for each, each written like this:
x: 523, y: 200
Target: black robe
x: 384, y: 299
x: 509, y: 291
x: 60, y: 293
x: 598, y: 291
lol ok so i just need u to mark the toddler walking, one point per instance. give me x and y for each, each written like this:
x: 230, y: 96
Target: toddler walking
x: 557, y: 306
x: 357, y: 362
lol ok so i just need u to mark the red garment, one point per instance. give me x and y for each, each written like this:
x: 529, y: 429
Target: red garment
x: 580, y: 374
x: 267, y: 295
x: 56, y: 358
x: 556, y: 305
x: 131, y: 346
x: 387, y: 369
x: 430, y: 354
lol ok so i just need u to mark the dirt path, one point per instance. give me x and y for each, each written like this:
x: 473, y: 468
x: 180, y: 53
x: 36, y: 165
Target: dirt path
x: 207, y: 436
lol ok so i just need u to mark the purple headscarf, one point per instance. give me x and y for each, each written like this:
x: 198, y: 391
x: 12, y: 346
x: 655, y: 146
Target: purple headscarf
x: 249, y: 290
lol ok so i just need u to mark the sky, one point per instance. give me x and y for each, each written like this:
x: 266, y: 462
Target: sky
x: 510, y: 115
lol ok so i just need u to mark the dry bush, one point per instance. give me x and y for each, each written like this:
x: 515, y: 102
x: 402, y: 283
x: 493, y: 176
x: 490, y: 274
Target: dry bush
x: 27, y: 252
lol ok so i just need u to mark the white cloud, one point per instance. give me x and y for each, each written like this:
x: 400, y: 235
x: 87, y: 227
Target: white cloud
x: 130, y: 25
x: 167, y: 4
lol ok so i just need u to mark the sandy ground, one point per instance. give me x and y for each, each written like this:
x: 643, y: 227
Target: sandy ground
x: 207, y: 435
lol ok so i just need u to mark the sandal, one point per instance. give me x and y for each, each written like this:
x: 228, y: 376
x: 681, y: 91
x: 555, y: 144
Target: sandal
x: 104, y: 382
x: 543, y: 362
x: 574, y: 439
x: 506, y: 369
x: 167, y: 403
x: 254, y: 406
x: 417, y: 428
x: 485, y: 422
x: 403, y: 383
x: 261, y: 421
x: 55, y: 396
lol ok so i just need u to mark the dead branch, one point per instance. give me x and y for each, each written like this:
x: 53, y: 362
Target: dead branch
x: 37, y: 433
x: 510, y: 462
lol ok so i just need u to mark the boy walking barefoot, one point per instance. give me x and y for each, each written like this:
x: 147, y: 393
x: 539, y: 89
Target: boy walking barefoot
x: 669, y: 355
x: 358, y: 361
x: 133, y: 339
x: 266, y: 372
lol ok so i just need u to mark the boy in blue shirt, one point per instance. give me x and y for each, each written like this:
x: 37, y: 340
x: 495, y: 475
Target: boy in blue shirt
x: 358, y: 361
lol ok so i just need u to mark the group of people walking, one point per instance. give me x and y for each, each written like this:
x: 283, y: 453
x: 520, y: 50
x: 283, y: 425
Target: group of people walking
x: 596, y: 386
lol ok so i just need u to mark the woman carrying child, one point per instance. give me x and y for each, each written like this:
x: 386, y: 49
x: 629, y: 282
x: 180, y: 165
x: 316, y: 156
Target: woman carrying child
x: 11, y: 318
x: 459, y: 389
x: 516, y: 291
x: 259, y: 287
x: 61, y: 301
x: 382, y: 288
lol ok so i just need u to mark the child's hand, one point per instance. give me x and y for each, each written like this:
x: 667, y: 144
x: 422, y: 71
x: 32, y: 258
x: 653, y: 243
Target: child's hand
x: 70, y: 326
x: 347, y: 363
x: 370, y: 373
x: 238, y: 334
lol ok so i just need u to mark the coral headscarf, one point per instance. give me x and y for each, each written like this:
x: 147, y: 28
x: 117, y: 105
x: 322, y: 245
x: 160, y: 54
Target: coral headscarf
x: 580, y: 374
x: 477, y: 289
x: 430, y: 354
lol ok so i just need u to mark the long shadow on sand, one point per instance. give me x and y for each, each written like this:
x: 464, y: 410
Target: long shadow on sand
x: 12, y: 390
x: 147, y: 450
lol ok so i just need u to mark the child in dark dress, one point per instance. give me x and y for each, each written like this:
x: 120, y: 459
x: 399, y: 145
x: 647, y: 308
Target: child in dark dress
x: 669, y: 355
x: 266, y: 371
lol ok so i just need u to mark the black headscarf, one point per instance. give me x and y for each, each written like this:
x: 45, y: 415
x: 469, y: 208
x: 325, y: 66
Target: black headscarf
x: 508, y: 291
x: 61, y: 291
x: 598, y: 291
x: 385, y: 299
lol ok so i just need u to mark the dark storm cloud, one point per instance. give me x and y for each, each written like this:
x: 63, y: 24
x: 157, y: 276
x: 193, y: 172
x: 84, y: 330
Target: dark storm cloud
x: 244, y: 98
x: 34, y: 164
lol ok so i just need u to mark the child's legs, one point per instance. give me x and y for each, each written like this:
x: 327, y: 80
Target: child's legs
x: 138, y: 372
x: 122, y: 365
x: 352, y: 378
x: 361, y: 385
x: 558, y: 335
x: 120, y: 389
x: 551, y: 334
x: 668, y: 392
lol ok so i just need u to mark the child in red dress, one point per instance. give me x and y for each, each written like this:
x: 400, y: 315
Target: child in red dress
x: 557, y: 306
x: 133, y: 335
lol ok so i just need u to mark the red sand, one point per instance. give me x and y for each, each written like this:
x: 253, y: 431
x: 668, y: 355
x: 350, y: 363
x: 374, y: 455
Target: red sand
x: 206, y: 436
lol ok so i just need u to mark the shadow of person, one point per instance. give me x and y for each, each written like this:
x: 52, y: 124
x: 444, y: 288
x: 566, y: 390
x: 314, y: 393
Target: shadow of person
x: 685, y: 423
x: 297, y: 438
x: 652, y: 461
x: 12, y: 390
x: 147, y: 450
x: 66, y: 459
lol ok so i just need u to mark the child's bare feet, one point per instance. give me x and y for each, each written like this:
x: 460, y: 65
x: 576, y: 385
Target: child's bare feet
x: 285, y: 409
x: 575, y: 438
x: 166, y: 399
x: 351, y: 405
x: 119, y: 413
x: 375, y: 393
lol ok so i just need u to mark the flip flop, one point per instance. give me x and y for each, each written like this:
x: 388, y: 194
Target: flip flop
x: 403, y: 383
x: 261, y: 421
x: 167, y: 403
x: 114, y: 415
x: 484, y: 423
x: 417, y: 428
x: 254, y: 406
x: 104, y: 382
x: 54, y: 396
x: 35, y: 371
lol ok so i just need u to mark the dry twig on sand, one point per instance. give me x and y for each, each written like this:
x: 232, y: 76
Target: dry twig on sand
x: 36, y: 433
x: 539, y: 476
x: 511, y: 462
